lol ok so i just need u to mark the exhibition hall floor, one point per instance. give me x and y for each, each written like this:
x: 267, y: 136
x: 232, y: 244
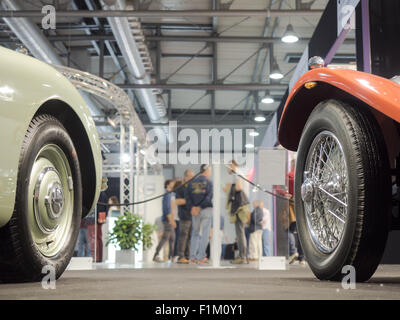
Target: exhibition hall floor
x: 182, y: 282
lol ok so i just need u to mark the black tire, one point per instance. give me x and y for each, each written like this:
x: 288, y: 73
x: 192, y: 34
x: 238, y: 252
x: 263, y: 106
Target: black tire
x: 365, y: 231
x: 20, y: 258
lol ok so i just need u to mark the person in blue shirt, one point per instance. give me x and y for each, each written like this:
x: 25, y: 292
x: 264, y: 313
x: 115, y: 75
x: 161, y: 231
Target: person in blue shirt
x: 199, y: 196
x: 168, y: 221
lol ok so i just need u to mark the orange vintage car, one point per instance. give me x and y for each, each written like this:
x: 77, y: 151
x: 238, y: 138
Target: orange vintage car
x: 344, y: 125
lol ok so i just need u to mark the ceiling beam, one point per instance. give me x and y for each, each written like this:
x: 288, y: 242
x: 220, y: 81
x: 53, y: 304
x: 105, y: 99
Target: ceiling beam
x: 210, y: 124
x: 163, y: 13
x: 208, y: 86
x: 107, y: 37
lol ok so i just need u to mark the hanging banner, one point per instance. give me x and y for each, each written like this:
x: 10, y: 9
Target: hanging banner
x: 346, y: 15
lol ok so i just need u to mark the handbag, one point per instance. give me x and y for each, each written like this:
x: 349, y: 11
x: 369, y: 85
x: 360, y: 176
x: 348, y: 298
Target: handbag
x: 239, y: 205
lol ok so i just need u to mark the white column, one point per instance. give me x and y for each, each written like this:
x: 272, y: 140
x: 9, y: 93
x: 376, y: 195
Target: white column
x: 121, y: 162
x: 215, y: 240
x: 131, y: 164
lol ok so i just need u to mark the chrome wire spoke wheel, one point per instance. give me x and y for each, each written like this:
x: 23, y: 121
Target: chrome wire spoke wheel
x: 52, y: 192
x: 342, y: 191
x: 324, y: 191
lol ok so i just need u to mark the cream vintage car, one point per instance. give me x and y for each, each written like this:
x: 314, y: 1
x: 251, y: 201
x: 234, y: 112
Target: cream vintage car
x: 50, y: 167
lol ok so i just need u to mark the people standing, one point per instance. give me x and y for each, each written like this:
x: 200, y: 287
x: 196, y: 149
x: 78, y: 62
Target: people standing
x: 198, y: 196
x: 168, y: 220
x: 185, y: 220
x: 239, y: 210
x: 255, y: 229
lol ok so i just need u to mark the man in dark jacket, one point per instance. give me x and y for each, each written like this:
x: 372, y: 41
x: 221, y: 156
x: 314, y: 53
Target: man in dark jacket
x: 185, y: 221
x: 198, y: 196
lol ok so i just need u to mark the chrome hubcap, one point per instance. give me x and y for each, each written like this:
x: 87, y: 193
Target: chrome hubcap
x: 49, y: 200
x: 51, y: 187
x: 324, y: 191
x: 307, y: 189
x: 54, y: 201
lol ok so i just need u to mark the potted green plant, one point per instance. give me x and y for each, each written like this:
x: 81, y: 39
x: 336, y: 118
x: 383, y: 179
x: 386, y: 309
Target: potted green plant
x: 128, y: 233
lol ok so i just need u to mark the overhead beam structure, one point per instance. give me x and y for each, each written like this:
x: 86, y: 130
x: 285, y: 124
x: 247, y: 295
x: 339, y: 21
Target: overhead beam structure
x: 164, y: 13
x: 209, y: 124
x: 219, y: 39
x: 208, y: 86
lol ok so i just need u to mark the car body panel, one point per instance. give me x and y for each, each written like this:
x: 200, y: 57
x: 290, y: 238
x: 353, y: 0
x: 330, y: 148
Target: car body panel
x: 381, y: 94
x: 25, y: 85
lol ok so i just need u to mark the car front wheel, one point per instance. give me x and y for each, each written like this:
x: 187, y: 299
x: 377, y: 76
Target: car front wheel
x: 45, y: 223
x: 342, y: 191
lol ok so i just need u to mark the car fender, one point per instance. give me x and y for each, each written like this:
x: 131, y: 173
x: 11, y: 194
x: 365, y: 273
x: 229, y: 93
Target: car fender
x: 26, y: 84
x: 380, y: 94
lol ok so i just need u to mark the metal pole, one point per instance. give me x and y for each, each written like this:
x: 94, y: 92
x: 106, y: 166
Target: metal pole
x: 95, y: 234
x: 169, y: 105
x: 214, y: 65
x: 121, y: 162
x: 101, y: 60
x: 215, y: 240
x: 131, y: 164
x: 366, y: 36
x: 158, y: 57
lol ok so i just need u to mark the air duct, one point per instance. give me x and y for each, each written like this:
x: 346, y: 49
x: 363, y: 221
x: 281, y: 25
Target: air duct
x: 30, y: 36
x: 130, y: 39
x: 38, y: 45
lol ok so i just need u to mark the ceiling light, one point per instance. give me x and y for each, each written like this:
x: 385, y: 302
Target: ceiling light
x: 249, y: 146
x: 254, y: 133
x: 268, y: 99
x: 259, y: 117
x: 290, y: 36
x: 276, y: 73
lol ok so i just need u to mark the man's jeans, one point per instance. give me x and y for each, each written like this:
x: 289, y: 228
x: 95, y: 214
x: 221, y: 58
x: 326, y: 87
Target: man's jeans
x: 177, y: 233
x: 241, y: 238
x: 200, y: 222
x: 168, y: 236
x: 185, y: 232
x: 265, y: 243
x: 83, y: 247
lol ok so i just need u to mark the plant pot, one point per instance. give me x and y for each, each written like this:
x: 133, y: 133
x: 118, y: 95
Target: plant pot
x: 125, y: 256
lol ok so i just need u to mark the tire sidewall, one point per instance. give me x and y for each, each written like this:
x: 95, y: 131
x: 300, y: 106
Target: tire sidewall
x: 47, y: 132
x: 327, y: 266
